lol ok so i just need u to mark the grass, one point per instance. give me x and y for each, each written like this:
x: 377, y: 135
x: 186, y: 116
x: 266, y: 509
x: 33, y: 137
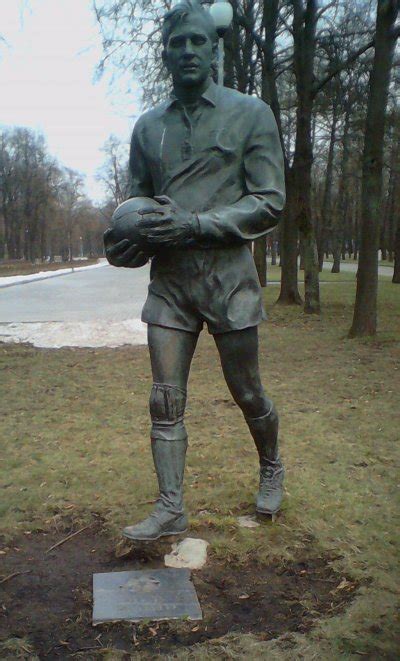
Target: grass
x: 20, y: 267
x: 75, y: 429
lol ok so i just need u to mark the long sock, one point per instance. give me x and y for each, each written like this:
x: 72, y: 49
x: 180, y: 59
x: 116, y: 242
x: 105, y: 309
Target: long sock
x: 169, y: 462
x: 264, y: 431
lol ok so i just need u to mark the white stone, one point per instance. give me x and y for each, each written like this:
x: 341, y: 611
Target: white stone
x: 247, y: 522
x: 191, y: 553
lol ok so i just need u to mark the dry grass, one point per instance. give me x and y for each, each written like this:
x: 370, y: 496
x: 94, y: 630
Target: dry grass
x: 75, y: 429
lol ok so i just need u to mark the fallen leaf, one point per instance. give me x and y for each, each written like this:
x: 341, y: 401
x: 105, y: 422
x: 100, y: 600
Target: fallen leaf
x: 344, y: 583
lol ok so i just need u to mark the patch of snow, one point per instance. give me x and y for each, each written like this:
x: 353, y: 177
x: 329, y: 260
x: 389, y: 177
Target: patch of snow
x: 57, y: 334
x: 42, y: 275
x: 191, y: 553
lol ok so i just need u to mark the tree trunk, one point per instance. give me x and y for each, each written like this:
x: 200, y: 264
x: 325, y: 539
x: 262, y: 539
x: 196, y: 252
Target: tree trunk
x: 289, y: 293
x: 396, y: 272
x: 304, y: 36
x: 43, y: 239
x: 311, y: 272
x: 301, y: 255
x: 393, y: 194
x: 273, y: 250
x: 365, y: 309
x: 357, y: 223
x: 260, y: 258
x: 327, y: 224
x: 70, y: 246
x: 288, y: 232
x: 342, y: 214
x: 336, y: 261
x: 383, y: 243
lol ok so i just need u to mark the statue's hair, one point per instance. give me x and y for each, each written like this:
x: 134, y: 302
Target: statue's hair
x: 180, y: 11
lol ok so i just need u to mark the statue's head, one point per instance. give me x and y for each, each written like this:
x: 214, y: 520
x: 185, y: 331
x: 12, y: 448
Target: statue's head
x: 190, y: 43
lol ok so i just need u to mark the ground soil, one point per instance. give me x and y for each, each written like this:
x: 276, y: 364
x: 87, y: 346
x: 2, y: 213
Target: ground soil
x: 47, y: 597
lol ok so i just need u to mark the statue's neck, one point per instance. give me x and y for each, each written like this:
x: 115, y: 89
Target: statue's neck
x: 190, y: 95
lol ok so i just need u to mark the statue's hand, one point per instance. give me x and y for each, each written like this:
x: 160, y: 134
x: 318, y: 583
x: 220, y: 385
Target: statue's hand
x: 169, y: 226
x: 123, y: 253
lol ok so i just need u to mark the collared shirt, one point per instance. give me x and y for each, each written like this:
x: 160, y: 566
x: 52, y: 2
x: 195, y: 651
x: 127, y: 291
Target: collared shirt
x: 221, y: 159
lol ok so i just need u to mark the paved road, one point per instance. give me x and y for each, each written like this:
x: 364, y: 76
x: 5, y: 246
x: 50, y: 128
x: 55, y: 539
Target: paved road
x: 353, y: 266
x: 104, y: 293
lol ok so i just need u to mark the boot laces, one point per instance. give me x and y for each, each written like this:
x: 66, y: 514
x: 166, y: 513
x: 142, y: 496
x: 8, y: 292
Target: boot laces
x: 270, y: 478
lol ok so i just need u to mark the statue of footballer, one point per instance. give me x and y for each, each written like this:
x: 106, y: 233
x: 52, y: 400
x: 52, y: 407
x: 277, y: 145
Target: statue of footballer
x: 207, y: 178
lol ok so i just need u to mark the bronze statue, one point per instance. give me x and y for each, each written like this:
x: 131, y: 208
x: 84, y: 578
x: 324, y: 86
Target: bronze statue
x: 211, y: 158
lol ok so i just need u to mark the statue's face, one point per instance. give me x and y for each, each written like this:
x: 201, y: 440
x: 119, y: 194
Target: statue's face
x: 189, y: 53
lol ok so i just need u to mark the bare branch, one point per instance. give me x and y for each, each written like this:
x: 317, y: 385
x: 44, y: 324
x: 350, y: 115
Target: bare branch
x: 341, y: 66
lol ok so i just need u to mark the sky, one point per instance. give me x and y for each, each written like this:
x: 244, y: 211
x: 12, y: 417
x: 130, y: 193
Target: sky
x: 47, y: 71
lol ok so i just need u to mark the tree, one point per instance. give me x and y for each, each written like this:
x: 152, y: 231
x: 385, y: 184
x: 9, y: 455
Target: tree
x: 365, y: 309
x: 392, y: 205
x: 43, y: 211
x: 114, y: 173
x: 304, y: 39
x: 305, y: 16
x: 27, y: 177
x: 71, y: 197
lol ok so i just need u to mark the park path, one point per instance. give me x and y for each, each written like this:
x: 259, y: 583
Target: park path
x: 353, y: 266
x: 86, y: 308
x: 89, y: 307
x: 84, y: 295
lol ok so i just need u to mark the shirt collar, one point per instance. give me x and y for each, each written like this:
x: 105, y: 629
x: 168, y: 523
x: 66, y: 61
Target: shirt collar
x: 209, y: 96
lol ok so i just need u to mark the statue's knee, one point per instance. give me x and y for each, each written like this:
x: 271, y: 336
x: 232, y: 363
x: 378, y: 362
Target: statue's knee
x: 167, y: 409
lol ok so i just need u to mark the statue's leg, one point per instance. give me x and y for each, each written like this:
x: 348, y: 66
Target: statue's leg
x: 171, y: 353
x: 238, y: 352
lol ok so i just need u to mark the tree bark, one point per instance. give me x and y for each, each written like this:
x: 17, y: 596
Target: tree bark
x: 327, y: 224
x: 273, y: 250
x: 365, y: 309
x: 304, y: 35
x: 396, y: 272
x: 289, y: 293
x: 393, y: 194
x: 342, y: 214
x: 260, y: 258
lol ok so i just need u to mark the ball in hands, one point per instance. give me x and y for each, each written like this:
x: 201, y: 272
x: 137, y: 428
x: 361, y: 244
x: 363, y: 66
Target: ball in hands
x: 126, y: 219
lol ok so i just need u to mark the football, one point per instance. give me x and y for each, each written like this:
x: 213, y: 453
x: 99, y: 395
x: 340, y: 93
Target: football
x: 126, y: 219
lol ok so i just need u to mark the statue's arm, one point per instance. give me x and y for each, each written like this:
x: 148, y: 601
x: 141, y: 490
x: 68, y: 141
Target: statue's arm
x: 140, y: 179
x: 258, y: 211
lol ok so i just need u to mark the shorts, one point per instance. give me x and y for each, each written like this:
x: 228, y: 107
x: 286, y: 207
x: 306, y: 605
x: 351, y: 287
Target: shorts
x: 190, y: 287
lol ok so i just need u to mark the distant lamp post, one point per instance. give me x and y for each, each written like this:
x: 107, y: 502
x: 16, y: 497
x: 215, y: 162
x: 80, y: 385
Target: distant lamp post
x: 222, y: 13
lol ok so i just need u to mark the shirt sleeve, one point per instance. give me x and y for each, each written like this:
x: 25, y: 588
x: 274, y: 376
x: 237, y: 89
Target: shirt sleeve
x: 141, y: 183
x: 258, y: 211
